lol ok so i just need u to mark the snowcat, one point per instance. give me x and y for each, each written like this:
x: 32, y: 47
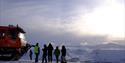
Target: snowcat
x: 12, y: 43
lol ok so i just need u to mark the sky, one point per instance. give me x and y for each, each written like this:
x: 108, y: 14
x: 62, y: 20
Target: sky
x: 70, y: 22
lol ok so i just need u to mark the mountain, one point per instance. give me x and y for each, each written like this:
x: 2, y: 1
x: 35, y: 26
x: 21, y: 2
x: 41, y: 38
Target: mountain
x: 108, y: 46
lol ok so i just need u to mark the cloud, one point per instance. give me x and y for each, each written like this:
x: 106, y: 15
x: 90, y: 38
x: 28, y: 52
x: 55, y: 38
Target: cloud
x: 57, y: 14
x: 51, y: 20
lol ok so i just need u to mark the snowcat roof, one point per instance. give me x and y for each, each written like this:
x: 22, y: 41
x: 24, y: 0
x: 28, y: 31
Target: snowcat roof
x: 11, y: 27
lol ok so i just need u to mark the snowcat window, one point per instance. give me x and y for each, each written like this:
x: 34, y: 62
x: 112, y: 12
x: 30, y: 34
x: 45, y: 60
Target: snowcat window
x: 12, y: 34
x: 2, y: 34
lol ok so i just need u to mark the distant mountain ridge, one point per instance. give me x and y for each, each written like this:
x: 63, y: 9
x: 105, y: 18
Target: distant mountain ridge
x: 107, y: 46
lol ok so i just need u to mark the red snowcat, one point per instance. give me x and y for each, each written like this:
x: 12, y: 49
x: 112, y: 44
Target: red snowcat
x: 12, y: 43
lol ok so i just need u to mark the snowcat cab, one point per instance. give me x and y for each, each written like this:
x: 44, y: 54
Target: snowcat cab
x: 12, y: 43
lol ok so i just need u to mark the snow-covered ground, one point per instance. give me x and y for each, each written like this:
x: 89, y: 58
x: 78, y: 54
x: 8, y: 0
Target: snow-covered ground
x: 28, y: 61
x: 105, y: 53
x: 109, y: 53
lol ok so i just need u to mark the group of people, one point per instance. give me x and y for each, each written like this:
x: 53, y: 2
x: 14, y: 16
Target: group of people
x: 48, y: 51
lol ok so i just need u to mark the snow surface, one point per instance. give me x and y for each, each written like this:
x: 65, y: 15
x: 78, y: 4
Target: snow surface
x: 110, y: 53
x: 28, y: 61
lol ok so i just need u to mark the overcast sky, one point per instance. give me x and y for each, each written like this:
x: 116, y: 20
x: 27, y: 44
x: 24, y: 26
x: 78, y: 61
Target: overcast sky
x: 67, y: 21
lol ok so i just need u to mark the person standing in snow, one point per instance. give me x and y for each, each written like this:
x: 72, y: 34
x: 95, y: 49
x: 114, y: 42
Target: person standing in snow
x: 57, y: 54
x: 63, y: 51
x: 44, y: 54
x: 50, y: 51
x: 36, y: 51
x: 31, y: 53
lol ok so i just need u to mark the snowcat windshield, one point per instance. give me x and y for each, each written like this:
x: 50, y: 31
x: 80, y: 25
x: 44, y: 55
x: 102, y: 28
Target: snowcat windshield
x: 22, y: 36
x: 23, y: 39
